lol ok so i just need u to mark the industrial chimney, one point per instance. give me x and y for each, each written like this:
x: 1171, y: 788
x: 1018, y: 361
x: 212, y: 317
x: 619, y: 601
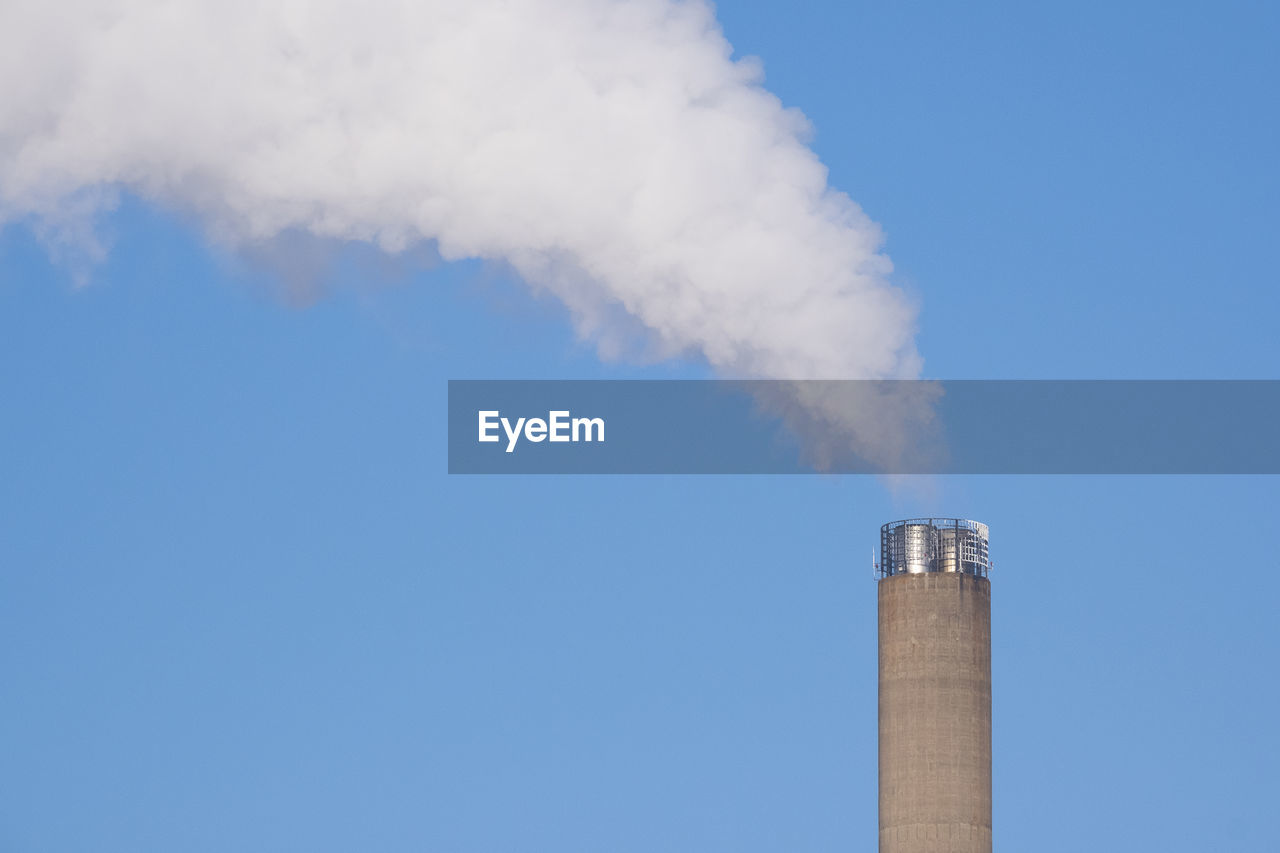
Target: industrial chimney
x: 935, y: 686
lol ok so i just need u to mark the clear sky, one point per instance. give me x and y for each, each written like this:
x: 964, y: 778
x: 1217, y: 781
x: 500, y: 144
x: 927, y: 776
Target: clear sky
x: 243, y: 607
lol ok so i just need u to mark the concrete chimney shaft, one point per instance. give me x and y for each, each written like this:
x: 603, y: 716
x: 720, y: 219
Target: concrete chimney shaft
x: 935, y: 687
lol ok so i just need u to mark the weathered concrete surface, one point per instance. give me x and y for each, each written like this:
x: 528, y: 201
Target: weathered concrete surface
x: 935, y: 713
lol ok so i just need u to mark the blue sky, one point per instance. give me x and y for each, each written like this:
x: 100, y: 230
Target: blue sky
x: 243, y: 606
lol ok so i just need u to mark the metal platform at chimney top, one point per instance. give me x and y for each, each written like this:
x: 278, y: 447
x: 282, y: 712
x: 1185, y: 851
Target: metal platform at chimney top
x: 924, y: 545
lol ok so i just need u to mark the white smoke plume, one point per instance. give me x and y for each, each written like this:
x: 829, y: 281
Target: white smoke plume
x: 613, y: 153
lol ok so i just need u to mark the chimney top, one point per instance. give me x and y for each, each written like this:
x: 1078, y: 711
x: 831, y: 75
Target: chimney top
x: 924, y: 545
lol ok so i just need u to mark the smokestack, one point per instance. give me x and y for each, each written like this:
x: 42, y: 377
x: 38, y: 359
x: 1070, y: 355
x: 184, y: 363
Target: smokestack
x: 935, y: 686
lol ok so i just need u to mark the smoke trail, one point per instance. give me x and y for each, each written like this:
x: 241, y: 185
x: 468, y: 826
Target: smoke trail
x: 612, y: 152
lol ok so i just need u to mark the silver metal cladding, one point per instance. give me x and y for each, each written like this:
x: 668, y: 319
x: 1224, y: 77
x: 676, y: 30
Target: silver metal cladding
x: 924, y: 545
